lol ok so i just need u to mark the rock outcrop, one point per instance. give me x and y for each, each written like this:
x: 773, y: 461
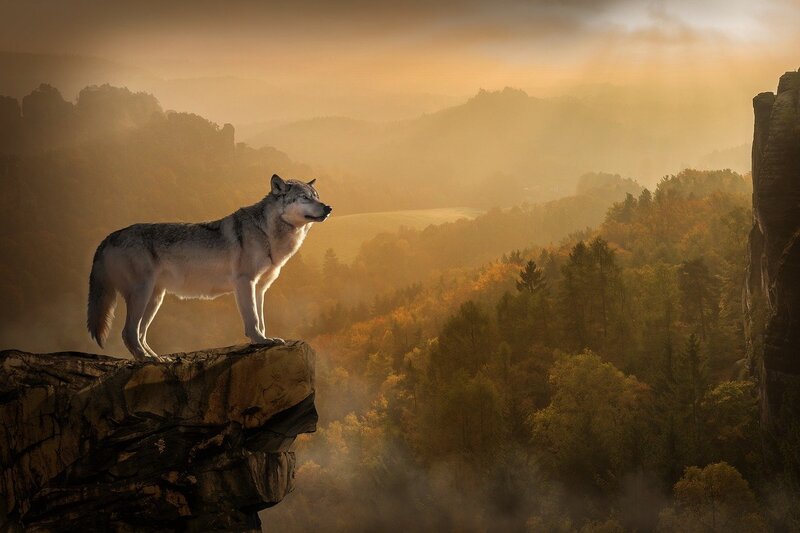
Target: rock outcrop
x: 772, y: 292
x: 199, y: 443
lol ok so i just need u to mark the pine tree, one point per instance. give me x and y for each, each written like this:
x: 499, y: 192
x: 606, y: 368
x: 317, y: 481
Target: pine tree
x: 531, y: 279
x: 699, y: 295
x: 592, y: 295
x: 691, y: 382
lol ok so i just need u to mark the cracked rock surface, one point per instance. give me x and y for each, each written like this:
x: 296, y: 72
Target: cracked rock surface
x: 198, y: 443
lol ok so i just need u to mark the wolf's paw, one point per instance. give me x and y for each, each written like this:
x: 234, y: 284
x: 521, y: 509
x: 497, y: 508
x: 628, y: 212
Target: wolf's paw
x: 272, y: 341
x: 155, y: 358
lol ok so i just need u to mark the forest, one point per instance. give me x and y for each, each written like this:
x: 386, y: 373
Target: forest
x: 599, y: 384
x: 568, y: 364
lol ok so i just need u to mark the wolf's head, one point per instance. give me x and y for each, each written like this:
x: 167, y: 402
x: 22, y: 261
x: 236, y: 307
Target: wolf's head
x: 300, y: 201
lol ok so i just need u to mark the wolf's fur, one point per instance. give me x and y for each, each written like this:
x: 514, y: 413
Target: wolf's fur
x: 242, y: 253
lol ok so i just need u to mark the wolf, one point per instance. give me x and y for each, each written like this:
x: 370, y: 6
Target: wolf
x: 242, y: 253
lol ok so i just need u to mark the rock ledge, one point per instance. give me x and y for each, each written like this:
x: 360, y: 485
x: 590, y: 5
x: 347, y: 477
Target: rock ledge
x: 198, y: 443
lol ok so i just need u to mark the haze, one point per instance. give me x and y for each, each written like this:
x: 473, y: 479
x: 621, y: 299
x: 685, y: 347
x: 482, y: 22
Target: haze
x: 527, y: 305
x: 686, y: 62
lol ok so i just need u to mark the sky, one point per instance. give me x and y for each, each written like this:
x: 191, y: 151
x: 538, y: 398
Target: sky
x: 386, y: 60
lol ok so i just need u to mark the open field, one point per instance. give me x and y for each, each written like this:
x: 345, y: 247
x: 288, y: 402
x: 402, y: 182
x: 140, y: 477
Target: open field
x: 346, y: 233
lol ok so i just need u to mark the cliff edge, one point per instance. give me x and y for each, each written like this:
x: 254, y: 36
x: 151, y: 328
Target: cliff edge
x: 198, y: 443
x: 772, y: 289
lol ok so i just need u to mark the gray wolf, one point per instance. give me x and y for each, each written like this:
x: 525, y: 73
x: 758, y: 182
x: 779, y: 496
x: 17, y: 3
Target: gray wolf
x: 242, y: 253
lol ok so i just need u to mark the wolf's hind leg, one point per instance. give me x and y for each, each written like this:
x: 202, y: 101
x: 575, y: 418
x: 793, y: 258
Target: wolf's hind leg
x: 149, y: 314
x: 136, y: 300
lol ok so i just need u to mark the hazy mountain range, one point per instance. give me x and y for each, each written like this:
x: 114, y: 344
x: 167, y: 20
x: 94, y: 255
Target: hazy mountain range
x: 495, y: 149
x: 248, y: 102
x: 536, y: 147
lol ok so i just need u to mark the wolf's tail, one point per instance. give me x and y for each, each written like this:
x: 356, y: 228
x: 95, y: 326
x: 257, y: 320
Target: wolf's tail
x: 102, y: 300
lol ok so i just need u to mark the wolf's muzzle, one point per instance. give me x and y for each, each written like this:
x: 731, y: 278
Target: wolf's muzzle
x: 326, y: 210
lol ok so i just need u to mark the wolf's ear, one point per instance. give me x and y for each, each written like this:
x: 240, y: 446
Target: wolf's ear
x: 278, y: 185
x: 311, y: 182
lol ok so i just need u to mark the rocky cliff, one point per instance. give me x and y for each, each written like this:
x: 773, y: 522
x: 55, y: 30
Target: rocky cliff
x: 198, y: 443
x: 772, y: 292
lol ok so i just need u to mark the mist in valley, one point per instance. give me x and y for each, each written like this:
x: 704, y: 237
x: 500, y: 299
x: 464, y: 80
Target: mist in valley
x: 526, y: 306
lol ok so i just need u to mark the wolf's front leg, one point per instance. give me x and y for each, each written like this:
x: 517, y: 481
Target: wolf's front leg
x: 246, y: 301
x: 261, y: 323
x: 262, y: 326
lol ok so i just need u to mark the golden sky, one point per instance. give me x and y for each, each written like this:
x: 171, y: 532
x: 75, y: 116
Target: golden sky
x: 449, y: 48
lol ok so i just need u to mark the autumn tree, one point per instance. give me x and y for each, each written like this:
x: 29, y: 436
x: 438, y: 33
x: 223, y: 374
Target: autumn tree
x: 712, y: 499
x: 590, y: 434
x: 731, y: 424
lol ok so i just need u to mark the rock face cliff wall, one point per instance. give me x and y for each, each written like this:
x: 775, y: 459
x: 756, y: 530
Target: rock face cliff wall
x: 199, y: 443
x: 772, y: 291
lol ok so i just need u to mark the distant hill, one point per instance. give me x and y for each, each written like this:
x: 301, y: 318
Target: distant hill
x: 735, y: 158
x: 240, y: 100
x: 496, y: 149
x: 20, y: 73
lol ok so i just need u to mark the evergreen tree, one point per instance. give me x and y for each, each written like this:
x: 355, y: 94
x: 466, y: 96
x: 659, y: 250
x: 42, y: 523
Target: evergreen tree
x: 691, y: 382
x: 645, y: 200
x: 513, y: 258
x: 531, y: 279
x: 332, y: 268
x: 699, y: 295
x: 592, y: 295
x: 575, y: 287
x: 465, y: 342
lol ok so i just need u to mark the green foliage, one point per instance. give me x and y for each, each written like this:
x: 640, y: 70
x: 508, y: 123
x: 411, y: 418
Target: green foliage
x: 588, y: 433
x: 731, y: 420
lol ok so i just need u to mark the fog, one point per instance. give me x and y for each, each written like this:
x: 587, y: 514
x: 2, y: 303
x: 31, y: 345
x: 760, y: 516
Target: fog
x: 246, y: 62
x: 461, y: 143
